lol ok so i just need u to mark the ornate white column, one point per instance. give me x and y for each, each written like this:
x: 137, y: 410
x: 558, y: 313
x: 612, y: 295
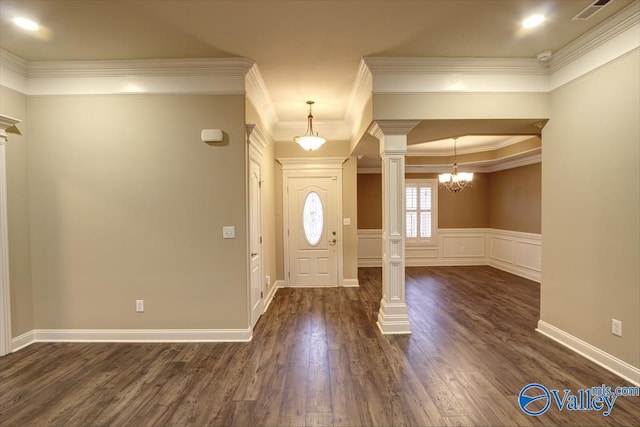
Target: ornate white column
x: 393, y: 317
x: 5, y: 296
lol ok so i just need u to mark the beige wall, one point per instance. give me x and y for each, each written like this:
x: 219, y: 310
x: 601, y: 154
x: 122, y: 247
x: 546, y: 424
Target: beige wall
x: 468, y: 209
x: 349, y: 202
x: 128, y: 203
x: 17, y: 151
x: 515, y: 199
x: 369, y: 201
x: 591, y: 221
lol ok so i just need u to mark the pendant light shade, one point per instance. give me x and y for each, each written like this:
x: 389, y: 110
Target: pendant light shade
x: 310, y: 141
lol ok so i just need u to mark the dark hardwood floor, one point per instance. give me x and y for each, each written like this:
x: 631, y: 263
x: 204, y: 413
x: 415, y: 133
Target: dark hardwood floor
x: 317, y: 358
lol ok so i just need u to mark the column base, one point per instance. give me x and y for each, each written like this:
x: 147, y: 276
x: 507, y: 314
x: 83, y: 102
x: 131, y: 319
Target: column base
x: 393, y: 318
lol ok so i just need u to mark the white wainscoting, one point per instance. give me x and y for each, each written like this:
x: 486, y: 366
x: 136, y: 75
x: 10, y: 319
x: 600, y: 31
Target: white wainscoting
x: 369, y: 248
x: 515, y: 252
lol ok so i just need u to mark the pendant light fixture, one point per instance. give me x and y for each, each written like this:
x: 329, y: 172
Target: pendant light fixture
x: 456, y: 181
x: 310, y: 141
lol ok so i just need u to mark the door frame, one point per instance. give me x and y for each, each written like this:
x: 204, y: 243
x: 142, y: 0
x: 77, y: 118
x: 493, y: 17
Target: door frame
x: 6, y: 336
x: 321, y: 167
x: 257, y: 143
x: 255, y: 157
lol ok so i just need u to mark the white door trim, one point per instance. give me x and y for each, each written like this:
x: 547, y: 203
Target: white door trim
x: 5, y: 297
x: 305, y: 168
x: 257, y: 143
x: 255, y: 159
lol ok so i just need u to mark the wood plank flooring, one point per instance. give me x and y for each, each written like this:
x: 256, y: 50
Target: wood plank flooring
x: 317, y: 358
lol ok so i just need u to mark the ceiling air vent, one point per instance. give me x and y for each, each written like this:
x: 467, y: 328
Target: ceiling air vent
x: 591, y: 10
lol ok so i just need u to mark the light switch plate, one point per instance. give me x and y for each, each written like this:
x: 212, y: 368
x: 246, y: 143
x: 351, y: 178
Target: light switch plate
x: 228, y: 232
x: 346, y: 221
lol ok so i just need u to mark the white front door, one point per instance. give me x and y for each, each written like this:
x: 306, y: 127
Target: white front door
x: 255, y: 241
x: 313, y: 214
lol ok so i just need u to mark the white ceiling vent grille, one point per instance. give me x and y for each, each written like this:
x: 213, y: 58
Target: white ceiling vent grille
x: 591, y: 10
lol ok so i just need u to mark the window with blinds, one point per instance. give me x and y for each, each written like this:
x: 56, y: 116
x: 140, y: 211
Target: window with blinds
x: 419, y: 205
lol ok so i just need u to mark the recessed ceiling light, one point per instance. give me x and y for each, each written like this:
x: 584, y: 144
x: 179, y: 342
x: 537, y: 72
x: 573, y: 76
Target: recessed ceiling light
x: 26, y: 24
x: 533, y: 21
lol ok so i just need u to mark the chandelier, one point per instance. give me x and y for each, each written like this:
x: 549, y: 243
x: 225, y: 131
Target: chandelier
x: 310, y: 141
x: 456, y: 181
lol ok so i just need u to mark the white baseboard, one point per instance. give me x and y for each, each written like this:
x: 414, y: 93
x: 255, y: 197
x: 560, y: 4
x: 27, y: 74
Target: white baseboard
x: 132, y: 335
x: 536, y: 276
x: 370, y: 262
x: 22, y: 341
x: 272, y: 293
x: 430, y: 262
x: 607, y: 361
x: 350, y: 283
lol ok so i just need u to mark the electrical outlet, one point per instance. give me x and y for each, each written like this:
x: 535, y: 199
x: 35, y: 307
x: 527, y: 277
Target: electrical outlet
x: 616, y: 327
x: 139, y: 306
x: 268, y: 280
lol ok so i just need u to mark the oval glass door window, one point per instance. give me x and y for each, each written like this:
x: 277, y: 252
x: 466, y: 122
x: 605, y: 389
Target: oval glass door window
x: 312, y: 218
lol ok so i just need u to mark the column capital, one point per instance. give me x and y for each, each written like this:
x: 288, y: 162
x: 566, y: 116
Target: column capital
x: 5, y: 123
x: 381, y: 128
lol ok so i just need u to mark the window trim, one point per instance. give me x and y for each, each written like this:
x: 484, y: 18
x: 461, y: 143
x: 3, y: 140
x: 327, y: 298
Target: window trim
x: 423, y: 182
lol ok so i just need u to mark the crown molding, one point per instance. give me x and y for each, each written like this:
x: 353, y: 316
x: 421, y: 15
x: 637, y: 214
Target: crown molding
x: 13, y: 62
x: 485, y: 166
x: 525, y: 159
x: 13, y: 71
x: 361, y: 93
x: 217, y: 76
x: 412, y: 65
x: 140, y: 67
x: 433, y: 75
x: 612, y: 39
x: 258, y: 95
x: 413, y: 151
x: 596, y: 37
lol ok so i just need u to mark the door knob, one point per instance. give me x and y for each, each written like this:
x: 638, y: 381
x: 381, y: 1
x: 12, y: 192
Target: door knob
x: 333, y: 242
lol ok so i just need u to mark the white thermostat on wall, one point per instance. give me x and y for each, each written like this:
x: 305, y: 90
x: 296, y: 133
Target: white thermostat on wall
x: 212, y: 135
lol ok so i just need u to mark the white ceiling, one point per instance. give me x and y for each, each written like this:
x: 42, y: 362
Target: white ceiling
x: 305, y: 49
